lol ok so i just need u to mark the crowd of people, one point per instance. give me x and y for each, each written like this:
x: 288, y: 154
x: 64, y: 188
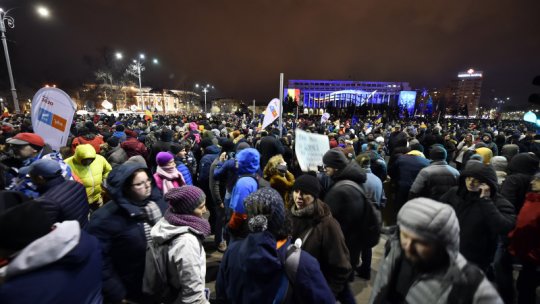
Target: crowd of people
x: 121, y: 212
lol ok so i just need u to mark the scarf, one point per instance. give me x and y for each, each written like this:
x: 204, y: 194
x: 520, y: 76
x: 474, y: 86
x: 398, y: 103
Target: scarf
x: 168, y: 176
x: 195, y: 222
x: 153, y: 214
x: 307, y: 211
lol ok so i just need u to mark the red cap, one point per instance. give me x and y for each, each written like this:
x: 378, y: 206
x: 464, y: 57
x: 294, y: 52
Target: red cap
x: 25, y: 139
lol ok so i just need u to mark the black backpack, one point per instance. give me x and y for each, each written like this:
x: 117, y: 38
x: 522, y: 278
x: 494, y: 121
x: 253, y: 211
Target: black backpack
x: 372, y: 221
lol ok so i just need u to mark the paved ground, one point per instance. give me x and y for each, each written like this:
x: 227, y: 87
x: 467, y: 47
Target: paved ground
x: 361, y: 288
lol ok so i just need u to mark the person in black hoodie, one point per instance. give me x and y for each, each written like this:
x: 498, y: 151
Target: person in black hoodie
x: 482, y: 212
x: 521, y: 169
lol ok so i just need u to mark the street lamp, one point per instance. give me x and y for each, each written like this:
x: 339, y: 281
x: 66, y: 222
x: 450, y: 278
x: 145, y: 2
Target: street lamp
x: 135, y: 69
x: 6, y: 19
x: 205, y: 89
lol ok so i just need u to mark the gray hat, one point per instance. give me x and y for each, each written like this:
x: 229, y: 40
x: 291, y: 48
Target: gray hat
x: 431, y: 220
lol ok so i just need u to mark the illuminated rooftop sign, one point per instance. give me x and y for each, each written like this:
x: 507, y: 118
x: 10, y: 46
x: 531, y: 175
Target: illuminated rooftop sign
x: 470, y: 73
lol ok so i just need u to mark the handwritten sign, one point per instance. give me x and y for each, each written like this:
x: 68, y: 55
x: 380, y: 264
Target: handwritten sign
x: 309, y: 149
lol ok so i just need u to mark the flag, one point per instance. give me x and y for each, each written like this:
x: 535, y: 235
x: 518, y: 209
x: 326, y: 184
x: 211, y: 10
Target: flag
x: 272, y: 112
x: 147, y: 115
x: 378, y: 119
x: 429, y: 107
x: 325, y: 117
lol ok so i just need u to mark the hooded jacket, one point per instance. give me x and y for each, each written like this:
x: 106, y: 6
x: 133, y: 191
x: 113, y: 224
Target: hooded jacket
x: 210, y: 154
x: 435, y: 287
x: 133, y: 147
x: 520, y: 171
x: 186, y: 261
x: 524, y: 241
x: 434, y: 180
x: 325, y: 243
x: 90, y: 176
x: 63, y: 266
x: 251, y: 271
x: 248, y: 166
x: 116, y: 156
x: 94, y: 140
x: 490, y: 144
x: 119, y: 227
x: 481, y: 220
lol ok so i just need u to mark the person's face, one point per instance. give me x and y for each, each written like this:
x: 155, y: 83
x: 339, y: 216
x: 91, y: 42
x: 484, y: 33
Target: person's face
x: 417, y: 250
x: 535, y: 185
x: 468, y: 137
x: 171, y: 163
x: 302, y: 199
x: 87, y: 162
x: 23, y: 151
x: 141, y: 187
x: 330, y: 171
x: 485, y: 138
x: 472, y: 184
x: 200, y: 210
x: 182, y: 153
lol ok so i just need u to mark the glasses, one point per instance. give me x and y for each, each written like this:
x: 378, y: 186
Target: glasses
x: 142, y: 184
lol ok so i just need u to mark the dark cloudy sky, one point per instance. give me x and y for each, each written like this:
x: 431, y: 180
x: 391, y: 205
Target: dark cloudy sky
x: 241, y: 46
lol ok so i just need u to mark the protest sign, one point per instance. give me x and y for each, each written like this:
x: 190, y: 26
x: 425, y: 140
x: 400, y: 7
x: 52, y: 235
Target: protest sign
x: 325, y: 117
x: 309, y: 149
x: 52, y: 114
x: 272, y: 112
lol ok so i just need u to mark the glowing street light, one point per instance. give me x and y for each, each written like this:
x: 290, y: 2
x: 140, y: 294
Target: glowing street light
x: 205, y: 89
x: 43, y: 12
x: 135, y: 69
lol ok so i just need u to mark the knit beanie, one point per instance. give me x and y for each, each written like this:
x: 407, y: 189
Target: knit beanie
x: 335, y: 159
x: 162, y: 158
x: 437, y: 152
x: 432, y: 221
x: 185, y: 199
x: 499, y: 163
x: 113, y: 141
x: 266, y: 211
x: 22, y: 224
x: 308, y: 184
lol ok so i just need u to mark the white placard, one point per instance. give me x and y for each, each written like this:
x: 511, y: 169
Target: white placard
x: 309, y: 149
x: 325, y: 117
x: 52, y: 115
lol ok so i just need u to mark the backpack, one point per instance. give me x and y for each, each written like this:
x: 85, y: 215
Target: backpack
x: 292, y: 260
x: 372, y: 221
x: 463, y: 291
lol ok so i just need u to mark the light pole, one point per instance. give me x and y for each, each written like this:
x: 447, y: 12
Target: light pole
x: 135, y: 69
x: 205, y: 89
x: 10, y: 23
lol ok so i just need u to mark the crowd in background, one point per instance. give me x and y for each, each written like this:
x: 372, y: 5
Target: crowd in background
x: 120, y: 213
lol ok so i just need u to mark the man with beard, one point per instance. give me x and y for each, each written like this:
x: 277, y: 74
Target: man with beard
x: 423, y: 264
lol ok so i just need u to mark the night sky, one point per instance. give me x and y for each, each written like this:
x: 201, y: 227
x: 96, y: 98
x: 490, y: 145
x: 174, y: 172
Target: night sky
x: 241, y: 46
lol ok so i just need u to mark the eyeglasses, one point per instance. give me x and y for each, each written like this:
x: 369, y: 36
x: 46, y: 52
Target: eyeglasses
x: 142, y: 184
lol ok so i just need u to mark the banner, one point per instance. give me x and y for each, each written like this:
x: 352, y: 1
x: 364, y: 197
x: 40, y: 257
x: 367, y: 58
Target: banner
x: 309, y: 149
x: 272, y: 112
x: 325, y: 117
x: 52, y: 114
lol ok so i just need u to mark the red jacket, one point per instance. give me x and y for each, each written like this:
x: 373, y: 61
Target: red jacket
x: 95, y: 140
x: 525, y: 238
x: 133, y: 147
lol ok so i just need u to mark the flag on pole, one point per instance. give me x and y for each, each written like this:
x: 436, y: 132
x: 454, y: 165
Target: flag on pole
x: 378, y: 119
x: 147, y: 115
x: 272, y: 112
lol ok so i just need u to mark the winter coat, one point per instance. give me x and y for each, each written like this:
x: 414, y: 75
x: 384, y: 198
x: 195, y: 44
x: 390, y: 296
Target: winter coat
x: 520, y: 171
x: 119, y: 227
x: 406, y: 168
x: 210, y: 154
x: 116, y: 156
x: 64, y: 200
x: 524, y: 241
x: 90, y: 176
x: 348, y: 204
x: 186, y: 261
x: 481, y: 220
x: 94, y: 140
x: 159, y: 146
x: 63, y: 266
x: 227, y: 168
x: 325, y: 243
x: 282, y: 184
x: 434, y: 180
x: 509, y: 151
x: 428, y: 289
x: 251, y: 271
x: 184, y: 170
x: 133, y: 147
x: 248, y: 166
x: 121, y: 135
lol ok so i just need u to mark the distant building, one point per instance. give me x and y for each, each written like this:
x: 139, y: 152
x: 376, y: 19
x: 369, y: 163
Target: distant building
x: 463, y: 94
x: 225, y: 105
x: 343, y: 93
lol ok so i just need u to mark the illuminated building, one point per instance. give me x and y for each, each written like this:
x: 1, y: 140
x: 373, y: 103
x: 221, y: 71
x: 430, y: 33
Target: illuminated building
x: 464, y: 92
x: 341, y: 94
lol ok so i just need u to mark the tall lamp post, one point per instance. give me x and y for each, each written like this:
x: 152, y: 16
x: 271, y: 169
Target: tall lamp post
x: 6, y: 19
x: 205, y: 89
x: 10, y: 23
x: 135, y: 69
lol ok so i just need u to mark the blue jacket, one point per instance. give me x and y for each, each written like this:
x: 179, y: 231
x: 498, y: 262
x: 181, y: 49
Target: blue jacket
x: 211, y: 153
x: 119, y: 225
x: 65, y: 200
x: 406, y: 168
x: 251, y: 271
x: 72, y: 277
x: 121, y: 135
x: 248, y: 165
x: 184, y: 170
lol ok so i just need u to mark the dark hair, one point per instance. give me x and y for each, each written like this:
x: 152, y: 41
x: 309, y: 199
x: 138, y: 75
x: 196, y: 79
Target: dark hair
x: 126, y: 188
